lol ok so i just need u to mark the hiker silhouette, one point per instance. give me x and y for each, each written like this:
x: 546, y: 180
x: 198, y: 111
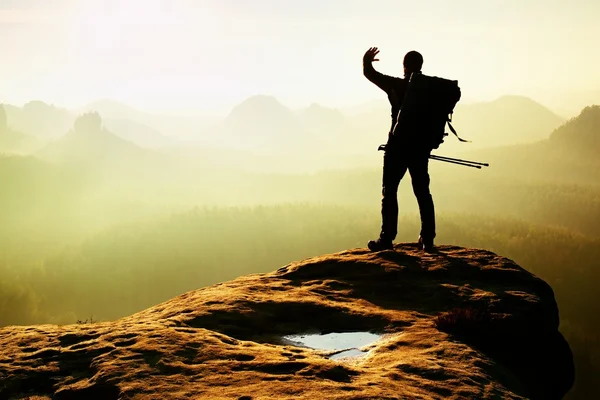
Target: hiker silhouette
x: 402, y: 153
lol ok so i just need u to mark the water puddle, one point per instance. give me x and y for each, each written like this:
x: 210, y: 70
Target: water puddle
x: 343, y: 345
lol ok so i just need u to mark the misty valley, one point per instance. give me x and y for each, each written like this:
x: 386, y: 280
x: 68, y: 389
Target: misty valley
x: 106, y: 211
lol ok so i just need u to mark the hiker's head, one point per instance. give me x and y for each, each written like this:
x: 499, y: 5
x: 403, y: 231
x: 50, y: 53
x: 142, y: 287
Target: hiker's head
x: 413, y: 61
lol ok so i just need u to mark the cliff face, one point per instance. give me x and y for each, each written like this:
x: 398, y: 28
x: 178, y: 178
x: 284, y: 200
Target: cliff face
x: 458, y: 324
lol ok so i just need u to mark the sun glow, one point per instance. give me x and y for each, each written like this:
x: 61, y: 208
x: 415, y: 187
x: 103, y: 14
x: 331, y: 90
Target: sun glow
x: 199, y: 53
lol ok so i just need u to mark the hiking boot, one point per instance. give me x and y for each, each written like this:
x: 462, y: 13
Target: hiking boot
x: 380, y: 244
x: 427, y: 244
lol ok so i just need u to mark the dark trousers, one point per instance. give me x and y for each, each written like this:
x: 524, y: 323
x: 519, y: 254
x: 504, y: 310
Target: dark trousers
x: 395, y: 165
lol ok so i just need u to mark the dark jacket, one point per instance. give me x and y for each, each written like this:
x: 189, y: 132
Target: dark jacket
x: 394, y: 87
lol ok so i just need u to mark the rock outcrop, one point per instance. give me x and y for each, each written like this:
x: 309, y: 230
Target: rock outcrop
x: 456, y: 324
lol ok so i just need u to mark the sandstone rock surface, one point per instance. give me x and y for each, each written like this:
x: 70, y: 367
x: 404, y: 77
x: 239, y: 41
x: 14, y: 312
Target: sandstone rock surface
x: 225, y: 341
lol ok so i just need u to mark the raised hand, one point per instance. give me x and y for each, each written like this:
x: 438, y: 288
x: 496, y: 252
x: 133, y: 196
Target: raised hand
x: 371, y: 54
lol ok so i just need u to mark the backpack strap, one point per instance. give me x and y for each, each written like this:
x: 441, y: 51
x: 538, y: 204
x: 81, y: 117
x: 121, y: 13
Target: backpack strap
x: 449, y: 120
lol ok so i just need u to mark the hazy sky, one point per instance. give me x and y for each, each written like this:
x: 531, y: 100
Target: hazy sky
x: 211, y: 54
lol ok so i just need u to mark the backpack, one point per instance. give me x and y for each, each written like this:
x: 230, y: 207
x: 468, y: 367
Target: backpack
x: 428, y: 105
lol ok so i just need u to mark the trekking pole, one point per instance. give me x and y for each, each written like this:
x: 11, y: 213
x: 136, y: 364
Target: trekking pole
x: 459, y: 161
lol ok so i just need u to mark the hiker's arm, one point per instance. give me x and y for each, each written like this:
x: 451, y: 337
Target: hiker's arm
x: 384, y: 82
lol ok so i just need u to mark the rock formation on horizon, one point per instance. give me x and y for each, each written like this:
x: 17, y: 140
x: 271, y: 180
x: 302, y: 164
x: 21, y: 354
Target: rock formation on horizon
x: 581, y: 134
x: 456, y: 324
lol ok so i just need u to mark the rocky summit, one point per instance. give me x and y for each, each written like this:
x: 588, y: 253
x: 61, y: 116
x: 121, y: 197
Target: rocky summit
x: 399, y: 324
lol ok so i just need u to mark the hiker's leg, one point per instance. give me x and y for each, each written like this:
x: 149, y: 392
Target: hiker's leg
x: 419, y: 172
x: 394, y: 168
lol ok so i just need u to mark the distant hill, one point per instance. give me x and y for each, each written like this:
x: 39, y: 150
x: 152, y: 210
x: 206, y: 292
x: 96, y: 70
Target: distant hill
x: 569, y: 154
x: 330, y: 127
x: 138, y: 133
x: 262, y: 124
x: 322, y: 118
x: 504, y: 121
x: 110, y: 109
x: 146, y: 127
x: 366, y: 107
x: 128, y: 123
x: 89, y: 147
x: 39, y: 119
x: 580, y: 134
x: 91, y: 144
